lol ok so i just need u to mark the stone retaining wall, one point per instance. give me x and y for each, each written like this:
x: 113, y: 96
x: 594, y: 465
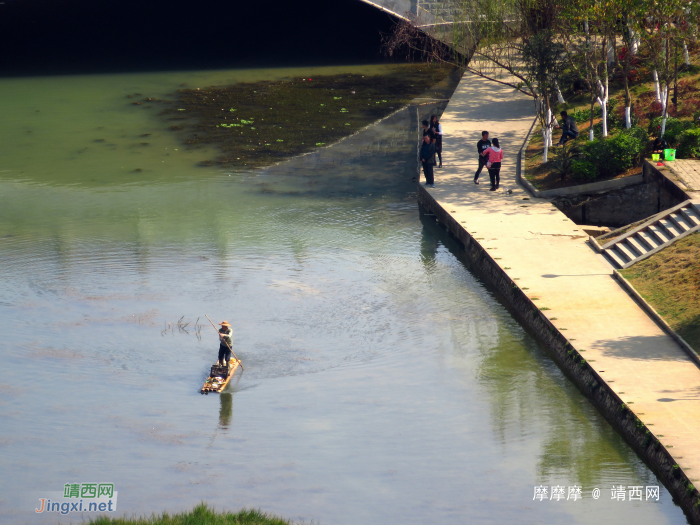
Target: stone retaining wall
x: 664, y: 179
x: 618, y: 207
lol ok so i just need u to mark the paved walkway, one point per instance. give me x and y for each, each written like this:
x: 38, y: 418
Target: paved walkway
x: 687, y: 172
x: 546, y: 252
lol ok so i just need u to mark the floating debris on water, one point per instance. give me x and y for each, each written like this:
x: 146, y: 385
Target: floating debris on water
x: 261, y: 123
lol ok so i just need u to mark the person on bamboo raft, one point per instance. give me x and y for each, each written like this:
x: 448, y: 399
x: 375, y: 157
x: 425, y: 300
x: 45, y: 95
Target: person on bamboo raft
x: 225, y: 336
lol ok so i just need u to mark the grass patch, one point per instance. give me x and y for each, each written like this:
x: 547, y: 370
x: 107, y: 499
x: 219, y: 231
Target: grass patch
x: 256, y: 124
x: 200, y: 515
x: 670, y: 282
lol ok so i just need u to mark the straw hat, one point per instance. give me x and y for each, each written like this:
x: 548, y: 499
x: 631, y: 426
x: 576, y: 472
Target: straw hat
x: 225, y: 323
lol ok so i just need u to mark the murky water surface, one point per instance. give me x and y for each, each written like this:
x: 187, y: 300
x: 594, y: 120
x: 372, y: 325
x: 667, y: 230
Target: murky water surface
x: 384, y: 383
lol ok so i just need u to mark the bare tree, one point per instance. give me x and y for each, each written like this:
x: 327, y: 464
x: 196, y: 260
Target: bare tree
x: 510, y: 41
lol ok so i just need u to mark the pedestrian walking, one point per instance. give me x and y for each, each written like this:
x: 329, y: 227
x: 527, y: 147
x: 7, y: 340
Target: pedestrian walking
x: 437, y: 131
x: 481, y: 147
x: 427, y: 158
x: 494, y: 154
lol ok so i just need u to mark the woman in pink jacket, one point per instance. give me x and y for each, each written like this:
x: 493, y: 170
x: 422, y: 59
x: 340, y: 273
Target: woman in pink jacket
x: 493, y: 164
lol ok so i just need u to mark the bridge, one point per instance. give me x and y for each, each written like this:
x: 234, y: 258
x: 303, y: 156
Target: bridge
x: 426, y: 10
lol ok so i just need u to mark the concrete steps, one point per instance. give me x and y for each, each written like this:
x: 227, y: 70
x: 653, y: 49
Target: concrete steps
x: 653, y: 235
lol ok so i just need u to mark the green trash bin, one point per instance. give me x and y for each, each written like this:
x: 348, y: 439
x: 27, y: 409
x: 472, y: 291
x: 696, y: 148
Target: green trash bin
x: 670, y: 154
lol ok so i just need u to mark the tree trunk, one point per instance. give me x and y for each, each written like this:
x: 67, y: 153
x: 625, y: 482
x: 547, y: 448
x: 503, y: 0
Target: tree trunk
x: 635, y: 40
x: 657, y: 88
x: 665, y: 90
x: 675, y: 79
x: 547, y: 134
x: 591, y: 134
x: 611, y: 53
x: 604, y: 113
x: 628, y: 97
x: 560, y: 97
x: 605, y: 92
x: 603, y: 101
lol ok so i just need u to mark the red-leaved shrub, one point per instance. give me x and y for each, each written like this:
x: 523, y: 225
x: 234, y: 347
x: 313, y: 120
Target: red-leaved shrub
x: 689, y: 107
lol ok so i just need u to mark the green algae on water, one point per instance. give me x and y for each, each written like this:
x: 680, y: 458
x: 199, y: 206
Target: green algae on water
x: 260, y: 123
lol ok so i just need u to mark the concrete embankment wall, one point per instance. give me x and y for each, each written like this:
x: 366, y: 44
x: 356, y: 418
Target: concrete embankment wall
x: 617, y: 207
x: 573, y: 363
x: 620, y: 207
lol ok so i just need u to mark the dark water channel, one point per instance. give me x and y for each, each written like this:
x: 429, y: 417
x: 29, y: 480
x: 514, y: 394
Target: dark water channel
x: 384, y: 382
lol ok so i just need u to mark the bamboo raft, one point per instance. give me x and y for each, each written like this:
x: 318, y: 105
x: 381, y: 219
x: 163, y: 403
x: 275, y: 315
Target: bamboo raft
x: 219, y: 377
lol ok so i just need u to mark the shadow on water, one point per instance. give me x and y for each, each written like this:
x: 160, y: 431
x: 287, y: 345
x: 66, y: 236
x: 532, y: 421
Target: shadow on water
x: 429, y: 243
x: 226, y: 410
x: 225, y: 413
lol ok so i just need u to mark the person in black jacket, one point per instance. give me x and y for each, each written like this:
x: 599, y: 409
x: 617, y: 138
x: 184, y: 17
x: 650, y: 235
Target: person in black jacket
x: 569, y: 129
x: 481, y: 147
x: 437, y: 131
x: 427, y: 159
x: 427, y: 130
x: 659, y: 145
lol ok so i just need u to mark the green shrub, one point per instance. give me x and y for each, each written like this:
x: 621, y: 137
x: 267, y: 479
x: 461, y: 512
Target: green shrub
x: 643, y: 143
x: 689, y: 144
x: 689, y: 70
x: 584, y: 115
x: 621, y: 150
x: 674, y: 127
x: 612, y: 155
x: 696, y: 118
x: 563, y: 158
x: 583, y: 170
x: 613, y: 121
x: 581, y: 116
x: 639, y: 133
x: 640, y: 88
x: 594, y: 153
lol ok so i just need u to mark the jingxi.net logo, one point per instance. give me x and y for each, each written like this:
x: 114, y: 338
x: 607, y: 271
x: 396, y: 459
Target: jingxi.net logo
x: 78, y: 498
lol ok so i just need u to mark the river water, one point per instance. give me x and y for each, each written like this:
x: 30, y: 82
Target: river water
x: 384, y: 382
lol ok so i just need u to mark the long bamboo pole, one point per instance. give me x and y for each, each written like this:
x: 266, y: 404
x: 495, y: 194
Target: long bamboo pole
x: 225, y: 341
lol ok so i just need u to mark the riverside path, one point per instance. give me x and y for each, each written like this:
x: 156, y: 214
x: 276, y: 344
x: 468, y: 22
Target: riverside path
x: 545, y: 253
